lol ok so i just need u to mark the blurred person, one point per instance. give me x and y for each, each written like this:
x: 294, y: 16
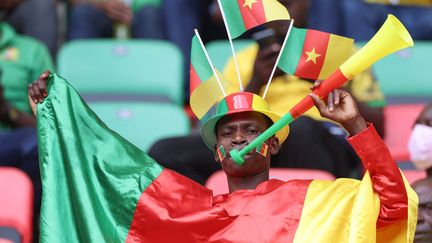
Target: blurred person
x: 35, y: 18
x: 101, y: 19
x: 362, y: 18
x: 420, y: 141
x: 22, y: 59
x: 423, y: 188
x: 324, y: 140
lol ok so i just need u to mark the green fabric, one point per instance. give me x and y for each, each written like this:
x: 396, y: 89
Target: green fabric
x: 138, y: 4
x: 22, y: 60
x: 292, y: 52
x: 199, y: 61
x: 92, y: 178
x: 234, y: 18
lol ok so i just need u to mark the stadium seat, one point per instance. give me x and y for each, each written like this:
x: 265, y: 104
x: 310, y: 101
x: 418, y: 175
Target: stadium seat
x: 141, y: 69
x: 398, y: 123
x: 414, y: 175
x: 143, y: 123
x: 218, y: 181
x: 220, y: 51
x: 406, y: 73
x: 16, y: 206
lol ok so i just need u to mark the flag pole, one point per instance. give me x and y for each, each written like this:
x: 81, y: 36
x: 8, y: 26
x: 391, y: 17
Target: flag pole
x: 210, y: 62
x: 279, y: 55
x: 231, y: 44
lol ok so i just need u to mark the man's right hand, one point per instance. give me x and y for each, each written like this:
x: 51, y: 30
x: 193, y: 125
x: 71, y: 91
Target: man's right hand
x: 264, y: 63
x: 37, y: 91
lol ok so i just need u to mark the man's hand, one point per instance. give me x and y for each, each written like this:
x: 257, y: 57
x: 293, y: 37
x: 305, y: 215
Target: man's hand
x: 264, y: 63
x: 341, y: 108
x: 37, y: 91
x: 117, y: 11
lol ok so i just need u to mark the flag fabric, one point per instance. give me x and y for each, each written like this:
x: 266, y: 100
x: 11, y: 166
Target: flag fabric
x: 262, y: 149
x: 97, y: 187
x: 314, y: 54
x: 221, y: 152
x: 204, y: 88
x: 242, y: 15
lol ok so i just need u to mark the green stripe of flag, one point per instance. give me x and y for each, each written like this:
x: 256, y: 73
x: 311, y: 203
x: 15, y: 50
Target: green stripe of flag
x: 293, y: 50
x: 199, y: 61
x: 233, y: 17
x: 92, y: 178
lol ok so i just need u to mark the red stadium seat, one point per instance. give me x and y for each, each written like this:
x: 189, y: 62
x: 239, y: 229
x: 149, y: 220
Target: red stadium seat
x: 414, y: 175
x: 218, y: 182
x: 398, y: 123
x: 16, y: 204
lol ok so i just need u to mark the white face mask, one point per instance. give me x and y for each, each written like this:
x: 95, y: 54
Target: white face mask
x: 420, y: 146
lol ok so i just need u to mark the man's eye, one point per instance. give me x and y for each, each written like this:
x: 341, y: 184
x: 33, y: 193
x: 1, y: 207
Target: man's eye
x: 252, y: 131
x: 226, y: 133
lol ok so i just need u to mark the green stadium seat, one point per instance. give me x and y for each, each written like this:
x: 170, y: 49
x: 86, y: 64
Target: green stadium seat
x: 406, y: 73
x: 220, y: 51
x: 143, y: 123
x: 149, y: 69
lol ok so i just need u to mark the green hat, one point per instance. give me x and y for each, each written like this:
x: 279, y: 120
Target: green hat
x: 236, y: 103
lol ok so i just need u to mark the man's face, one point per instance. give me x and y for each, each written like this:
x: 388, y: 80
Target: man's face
x: 424, y: 221
x: 235, y: 132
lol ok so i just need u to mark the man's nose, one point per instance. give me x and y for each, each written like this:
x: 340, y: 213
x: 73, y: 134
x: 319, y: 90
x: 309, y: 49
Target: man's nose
x: 239, y: 138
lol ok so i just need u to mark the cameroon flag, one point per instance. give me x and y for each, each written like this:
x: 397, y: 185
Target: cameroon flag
x: 242, y: 15
x: 98, y: 187
x: 314, y: 54
x: 204, y: 88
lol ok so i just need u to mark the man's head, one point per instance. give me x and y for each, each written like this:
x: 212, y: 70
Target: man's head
x: 239, y: 119
x: 238, y: 130
x: 423, y: 189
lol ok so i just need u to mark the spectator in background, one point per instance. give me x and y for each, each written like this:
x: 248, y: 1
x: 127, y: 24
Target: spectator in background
x: 22, y: 59
x: 100, y: 19
x: 35, y: 18
x: 362, y: 19
x: 423, y: 188
x: 420, y: 141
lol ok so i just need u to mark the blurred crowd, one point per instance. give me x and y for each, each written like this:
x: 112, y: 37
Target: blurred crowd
x: 33, y: 31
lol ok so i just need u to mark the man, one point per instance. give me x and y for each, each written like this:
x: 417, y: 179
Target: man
x: 423, y: 188
x: 22, y: 59
x: 172, y: 207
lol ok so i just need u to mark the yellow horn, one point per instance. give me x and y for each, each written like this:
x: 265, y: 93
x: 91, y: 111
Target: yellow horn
x: 391, y: 37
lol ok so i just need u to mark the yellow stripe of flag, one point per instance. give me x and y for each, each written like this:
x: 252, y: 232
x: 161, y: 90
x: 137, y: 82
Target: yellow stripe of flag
x: 274, y: 10
x: 339, y: 49
x: 209, y: 93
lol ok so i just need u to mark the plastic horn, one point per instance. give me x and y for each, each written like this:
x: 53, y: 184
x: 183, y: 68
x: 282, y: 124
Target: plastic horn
x: 391, y: 37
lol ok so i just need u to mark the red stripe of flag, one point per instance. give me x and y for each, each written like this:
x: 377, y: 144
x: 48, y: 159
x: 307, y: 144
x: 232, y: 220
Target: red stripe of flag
x: 242, y: 101
x: 314, y: 40
x: 195, y: 81
x: 252, y: 17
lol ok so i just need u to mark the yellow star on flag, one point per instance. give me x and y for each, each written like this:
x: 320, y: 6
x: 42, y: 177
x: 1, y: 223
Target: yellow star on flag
x: 249, y: 3
x: 312, y: 55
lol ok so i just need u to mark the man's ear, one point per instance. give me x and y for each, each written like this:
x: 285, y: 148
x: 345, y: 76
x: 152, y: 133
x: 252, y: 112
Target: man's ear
x: 274, y: 145
x: 216, y: 157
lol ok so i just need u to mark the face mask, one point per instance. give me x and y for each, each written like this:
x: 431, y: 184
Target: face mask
x: 420, y: 146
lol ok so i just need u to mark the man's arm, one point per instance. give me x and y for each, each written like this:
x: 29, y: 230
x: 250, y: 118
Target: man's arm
x: 376, y: 158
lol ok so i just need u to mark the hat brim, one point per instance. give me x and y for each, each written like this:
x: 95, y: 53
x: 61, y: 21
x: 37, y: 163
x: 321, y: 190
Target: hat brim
x: 208, y: 130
